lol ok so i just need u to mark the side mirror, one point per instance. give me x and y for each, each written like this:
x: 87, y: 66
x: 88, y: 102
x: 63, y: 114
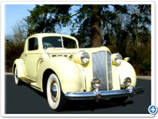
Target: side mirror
x: 104, y: 43
x: 126, y: 59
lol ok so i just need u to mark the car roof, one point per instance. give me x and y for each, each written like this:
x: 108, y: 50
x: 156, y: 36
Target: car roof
x: 52, y: 34
x: 49, y: 34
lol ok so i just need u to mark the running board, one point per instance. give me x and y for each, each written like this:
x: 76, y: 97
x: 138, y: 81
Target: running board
x: 35, y: 86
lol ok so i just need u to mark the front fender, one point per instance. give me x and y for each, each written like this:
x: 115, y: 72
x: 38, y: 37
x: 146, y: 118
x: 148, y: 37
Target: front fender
x: 67, y: 71
x: 127, y: 70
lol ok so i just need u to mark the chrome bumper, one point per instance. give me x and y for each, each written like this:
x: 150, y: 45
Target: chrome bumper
x: 92, y: 95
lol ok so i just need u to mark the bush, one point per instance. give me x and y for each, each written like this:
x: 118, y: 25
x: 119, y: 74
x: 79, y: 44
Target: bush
x: 145, y: 68
x: 9, y: 63
x: 13, y: 51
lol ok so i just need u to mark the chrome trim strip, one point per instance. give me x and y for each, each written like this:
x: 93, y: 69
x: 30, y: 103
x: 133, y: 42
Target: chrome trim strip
x: 104, y: 94
x: 82, y: 51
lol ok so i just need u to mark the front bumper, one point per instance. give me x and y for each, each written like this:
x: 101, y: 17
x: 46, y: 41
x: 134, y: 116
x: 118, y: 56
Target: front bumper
x: 95, y: 95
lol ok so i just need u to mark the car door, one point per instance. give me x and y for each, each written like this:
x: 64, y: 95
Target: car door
x: 31, y: 57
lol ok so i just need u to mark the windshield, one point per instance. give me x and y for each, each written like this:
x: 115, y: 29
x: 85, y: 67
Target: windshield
x: 53, y: 41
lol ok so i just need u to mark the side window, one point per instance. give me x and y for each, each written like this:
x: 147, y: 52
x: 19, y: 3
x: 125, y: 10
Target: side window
x: 33, y: 44
x: 69, y: 43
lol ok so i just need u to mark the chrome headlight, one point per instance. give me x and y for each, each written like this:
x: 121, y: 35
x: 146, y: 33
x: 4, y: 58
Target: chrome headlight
x: 127, y: 82
x: 96, y: 83
x: 81, y: 57
x: 85, y: 57
x: 116, y: 59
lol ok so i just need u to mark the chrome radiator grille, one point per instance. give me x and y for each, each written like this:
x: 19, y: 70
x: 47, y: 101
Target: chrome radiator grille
x: 109, y: 63
x: 99, y: 63
x: 99, y: 68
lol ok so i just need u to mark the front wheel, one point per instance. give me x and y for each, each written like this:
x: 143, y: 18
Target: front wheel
x: 55, y: 96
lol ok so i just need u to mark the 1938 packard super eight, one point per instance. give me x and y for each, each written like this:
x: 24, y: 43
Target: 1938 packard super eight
x: 54, y: 64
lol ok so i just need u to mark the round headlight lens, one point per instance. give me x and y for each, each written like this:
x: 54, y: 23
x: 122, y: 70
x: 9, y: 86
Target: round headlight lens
x: 96, y: 83
x: 118, y: 59
x: 127, y: 82
x: 85, y: 57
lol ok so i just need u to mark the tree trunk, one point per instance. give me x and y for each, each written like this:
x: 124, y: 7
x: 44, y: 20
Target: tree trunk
x: 96, y: 39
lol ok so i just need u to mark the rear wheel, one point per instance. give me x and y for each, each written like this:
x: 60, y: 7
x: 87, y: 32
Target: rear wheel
x: 55, y: 96
x: 17, y: 81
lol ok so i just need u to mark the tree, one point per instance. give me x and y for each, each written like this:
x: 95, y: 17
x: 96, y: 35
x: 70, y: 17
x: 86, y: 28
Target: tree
x: 19, y: 34
x: 44, y: 18
x: 14, y: 44
x: 138, y: 28
x: 89, y: 19
x: 133, y: 27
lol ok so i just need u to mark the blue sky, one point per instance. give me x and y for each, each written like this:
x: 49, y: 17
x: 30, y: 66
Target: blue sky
x: 16, y: 12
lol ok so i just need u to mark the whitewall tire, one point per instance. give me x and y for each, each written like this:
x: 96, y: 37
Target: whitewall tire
x: 17, y: 81
x: 55, y: 96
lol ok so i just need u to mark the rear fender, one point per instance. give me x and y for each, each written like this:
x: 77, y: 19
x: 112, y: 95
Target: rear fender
x: 19, y: 67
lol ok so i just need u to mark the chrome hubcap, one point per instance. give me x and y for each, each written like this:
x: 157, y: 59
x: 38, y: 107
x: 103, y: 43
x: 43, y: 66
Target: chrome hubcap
x: 54, y: 92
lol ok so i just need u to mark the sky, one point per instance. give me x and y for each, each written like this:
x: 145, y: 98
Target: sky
x: 15, y: 13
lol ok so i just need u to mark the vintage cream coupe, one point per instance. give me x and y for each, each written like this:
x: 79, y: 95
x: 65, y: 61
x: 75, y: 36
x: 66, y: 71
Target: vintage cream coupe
x: 54, y: 64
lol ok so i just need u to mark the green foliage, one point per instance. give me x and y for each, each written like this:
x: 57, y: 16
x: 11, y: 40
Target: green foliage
x: 146, y: 69
x: 9, y: 63
x: 13, y: 51
x: 44, y: 18
x: 131, y: 36
x: 84, y: 21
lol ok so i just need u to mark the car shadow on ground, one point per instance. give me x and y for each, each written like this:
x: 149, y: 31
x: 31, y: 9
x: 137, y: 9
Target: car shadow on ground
x: 43, y: 95
x: 91, y: 105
